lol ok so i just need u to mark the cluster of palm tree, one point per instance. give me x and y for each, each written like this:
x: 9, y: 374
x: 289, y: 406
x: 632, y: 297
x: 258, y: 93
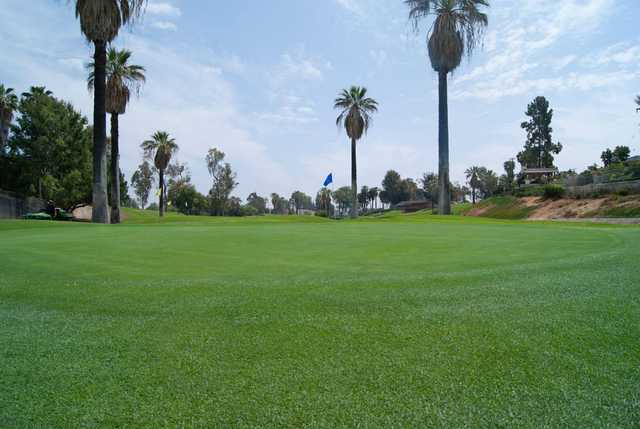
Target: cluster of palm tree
x: 457, y: 29
x: 111, y: 81
x: 122, y: 78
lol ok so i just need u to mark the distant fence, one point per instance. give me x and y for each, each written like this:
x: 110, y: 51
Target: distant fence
x: 13, y: 206
x: 632, y: 187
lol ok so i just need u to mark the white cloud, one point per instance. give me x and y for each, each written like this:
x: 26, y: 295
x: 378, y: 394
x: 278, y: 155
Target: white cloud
x: 163, y: 8
x: 378, y: 56
x: 164, y: 25
x: 353, y: 6
x: 522, y: 35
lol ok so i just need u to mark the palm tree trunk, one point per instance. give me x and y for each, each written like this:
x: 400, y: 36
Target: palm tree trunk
x: 115, y: 170
x: 473, y: 195
x: 100, y: 196
x: 444, y: 198
x: 354, y: 181
x: 161, y: 181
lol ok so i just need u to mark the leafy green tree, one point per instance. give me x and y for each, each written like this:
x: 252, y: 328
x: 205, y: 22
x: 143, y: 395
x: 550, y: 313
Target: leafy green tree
x: 161, y: 147
x: 323, y: 202
x: 186, y: 199
x: 363, y: 198
x: 488, y: 182
x: 344, y: 199
x: 49, y: 151
x: 8, y: 106
x: 457, y: 29
x: 178, y: 172
x: 301, y: 201
x: 100, y: 22
x: 539, y: 149
x: 224, y: 181
x: 430, y: 184
x: 125, y: 199
x: 621, y: 153
x: 411, y: 190
x: 510, y: 178
x: 395, y: 189
x: 607, y: 157
x: 355, y: 115
x: 258, y: 203
x: 122, y: 79
x: 142, y: 181
x: 279, y: 204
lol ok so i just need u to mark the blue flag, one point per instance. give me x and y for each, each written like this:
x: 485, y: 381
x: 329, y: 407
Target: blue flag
x: 328, y: 180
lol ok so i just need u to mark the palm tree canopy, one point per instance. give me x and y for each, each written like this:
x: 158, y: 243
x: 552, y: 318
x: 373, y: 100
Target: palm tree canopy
x: 100, y: 20
x: 355, y: 111
x: 638, y: 102
x: 8, y: 104
x: 472, y: 175
x: 457, y: 30
x: 164, y: 147
x: 122, y: 79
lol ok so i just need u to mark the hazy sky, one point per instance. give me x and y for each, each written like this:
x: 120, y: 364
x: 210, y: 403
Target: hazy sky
x: 257, y: 79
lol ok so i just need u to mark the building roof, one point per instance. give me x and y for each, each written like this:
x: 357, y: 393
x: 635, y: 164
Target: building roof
x: 539, y: 170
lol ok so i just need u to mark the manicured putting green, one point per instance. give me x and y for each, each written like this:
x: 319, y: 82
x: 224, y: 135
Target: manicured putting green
x: 400, y: 321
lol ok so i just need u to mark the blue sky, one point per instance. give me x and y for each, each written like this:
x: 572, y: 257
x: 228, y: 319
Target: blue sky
x: 257, y: 80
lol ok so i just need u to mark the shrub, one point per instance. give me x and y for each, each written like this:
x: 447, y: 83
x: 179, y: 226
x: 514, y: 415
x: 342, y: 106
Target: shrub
x: 623, y: 192
x: 530, y: 191
x: 246, y: 211
x: 553, y: 191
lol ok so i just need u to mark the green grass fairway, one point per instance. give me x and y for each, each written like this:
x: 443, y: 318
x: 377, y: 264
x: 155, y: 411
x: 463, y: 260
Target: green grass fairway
x: 397, y: 321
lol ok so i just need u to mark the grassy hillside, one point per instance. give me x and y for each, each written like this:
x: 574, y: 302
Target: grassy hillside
x: 396, y: 321
x: 508, y: 207
x: 497, y: 208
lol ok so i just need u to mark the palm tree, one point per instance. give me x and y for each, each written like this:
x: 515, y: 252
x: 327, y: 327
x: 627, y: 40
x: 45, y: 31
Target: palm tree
x: 37, y: 90
x: 100, y: 22
x: 638, y: 103
x: 473, y: 177
x: 122, y: 79
x: 457, y: 30
x: 373, y: 197
x: 355, y: 114
x: 161, y: 148
x: 8, y: 106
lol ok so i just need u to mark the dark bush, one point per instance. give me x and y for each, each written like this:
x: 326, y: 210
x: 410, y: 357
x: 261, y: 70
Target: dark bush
x: 553, y: 191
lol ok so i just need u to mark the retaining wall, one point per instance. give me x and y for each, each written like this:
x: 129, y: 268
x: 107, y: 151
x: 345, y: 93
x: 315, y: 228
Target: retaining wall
x: 14, y: 206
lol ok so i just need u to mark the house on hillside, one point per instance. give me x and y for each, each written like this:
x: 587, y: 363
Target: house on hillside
x: 538, y: 175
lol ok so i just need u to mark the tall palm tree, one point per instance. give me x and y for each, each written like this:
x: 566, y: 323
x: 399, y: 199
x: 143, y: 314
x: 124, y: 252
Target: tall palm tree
x: 473, y: 178
x: 122, y: 79
x: 355, y: 115
x: 8, y: 106
x: 161, y: 148
x: 457, y: 29
x: 100, y: 22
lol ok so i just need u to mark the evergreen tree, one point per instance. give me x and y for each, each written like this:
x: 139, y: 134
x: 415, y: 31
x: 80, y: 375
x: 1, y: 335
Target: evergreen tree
x: 539, y: 148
